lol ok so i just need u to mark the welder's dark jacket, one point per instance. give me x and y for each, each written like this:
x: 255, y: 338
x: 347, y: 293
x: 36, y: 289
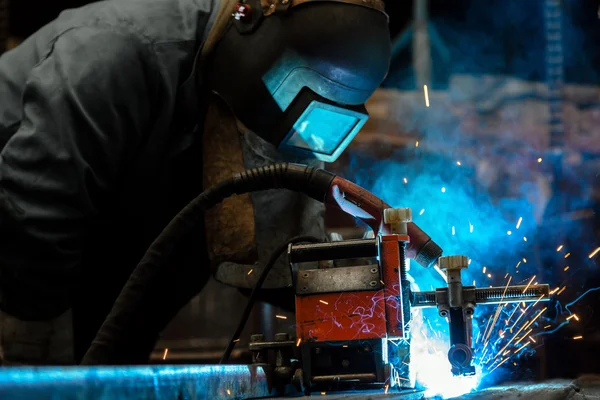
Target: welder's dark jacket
x: 99, y: 125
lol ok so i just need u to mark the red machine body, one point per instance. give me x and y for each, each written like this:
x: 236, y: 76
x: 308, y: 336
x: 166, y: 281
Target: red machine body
x: 377, y: 314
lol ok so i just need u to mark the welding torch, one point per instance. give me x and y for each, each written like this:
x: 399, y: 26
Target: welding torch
x: 457, y: 303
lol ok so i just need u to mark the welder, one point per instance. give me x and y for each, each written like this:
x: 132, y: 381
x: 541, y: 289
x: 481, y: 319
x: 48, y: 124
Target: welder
x: 117, y: 114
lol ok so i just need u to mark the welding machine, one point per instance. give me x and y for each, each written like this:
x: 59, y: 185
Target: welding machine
x: 353, y: 312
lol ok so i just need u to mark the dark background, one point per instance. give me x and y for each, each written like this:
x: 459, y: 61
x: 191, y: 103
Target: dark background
x: 483, y: 36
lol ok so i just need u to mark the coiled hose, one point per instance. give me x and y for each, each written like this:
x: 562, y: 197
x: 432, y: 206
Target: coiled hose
x: 310, y: 181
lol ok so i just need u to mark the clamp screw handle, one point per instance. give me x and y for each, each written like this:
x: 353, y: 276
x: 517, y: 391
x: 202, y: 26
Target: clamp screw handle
x: 397, y: 218
x: 453, y: 263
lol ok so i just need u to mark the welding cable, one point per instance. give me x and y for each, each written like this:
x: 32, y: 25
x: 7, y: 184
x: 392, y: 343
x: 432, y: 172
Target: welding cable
x: 261, y: 280
x: 111, y: 339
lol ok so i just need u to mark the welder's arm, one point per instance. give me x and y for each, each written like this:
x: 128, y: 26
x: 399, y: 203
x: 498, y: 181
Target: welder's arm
x: 85, y: 107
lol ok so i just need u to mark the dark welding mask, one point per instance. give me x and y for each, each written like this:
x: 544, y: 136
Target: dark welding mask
x: 299, y: 72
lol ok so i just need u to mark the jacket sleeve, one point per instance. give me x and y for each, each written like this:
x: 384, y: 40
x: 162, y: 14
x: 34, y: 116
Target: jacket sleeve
x: 86, y: 107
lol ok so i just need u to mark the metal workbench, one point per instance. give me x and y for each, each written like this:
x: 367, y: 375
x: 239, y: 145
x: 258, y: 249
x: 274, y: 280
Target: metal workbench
x: 194, y: 382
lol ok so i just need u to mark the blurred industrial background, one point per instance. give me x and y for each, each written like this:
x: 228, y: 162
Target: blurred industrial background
x: 488, y: 126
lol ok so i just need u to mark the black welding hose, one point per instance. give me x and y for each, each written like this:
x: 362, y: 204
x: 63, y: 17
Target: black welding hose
x: 113, y: 332
x: 261, y: 280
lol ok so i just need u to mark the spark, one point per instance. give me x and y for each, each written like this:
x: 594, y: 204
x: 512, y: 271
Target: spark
x: 484, y: 268
x: 422, y: 211
x: 532, y: 339
x: 566, y: 268
x: 324, y: 302
x: 561, y: 290
x: 593, y: 253
x: 281, y: 316
x: 523, y: 337
x: 165, y: 354
x: 559, y: 248
x: 417, y: 144
x: 382, y: 283
x: 524, y: 260
x: 386, y: 388
x: 323, y: 393
x: 521, y: 348
x: 547, y: 326
x: 489, y: 275
x: 458, y: 163
x: 540, y: 160
x: 519, y: 263
x: 502, y: 362
x: 469, y: 263
x: 405, y: 180
x: 298, y: 342
x: 236, y: 340
x: 249, y: 272
x: 529, y: 284
x: 229, y: 392
x: 509, y: 233
x: 443, y: 190
x: 578, y: 337
x: 453, y: 231
x: 345, y: 345
x: 519, y: 331
x: 524, y: 238
x: 567, y: 255
x: 426, y: 92
x: 523, y: 312
x: 519, y: 222
x: 470, y: 228
x: 538, y: 300
x: 555, y: 290
x: 536, y: 317
x: 505, y: 275
x: 572, y: 316
x: 498, y: 309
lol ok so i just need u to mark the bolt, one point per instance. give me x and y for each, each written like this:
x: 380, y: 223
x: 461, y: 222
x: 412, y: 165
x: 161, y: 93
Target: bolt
x: 282, y: 337
x: 257, y: 338
x: 443, y: 313
x: 373, y: 270
x: 305, y: 275
x: 304, y: 289
x: 373, y: 283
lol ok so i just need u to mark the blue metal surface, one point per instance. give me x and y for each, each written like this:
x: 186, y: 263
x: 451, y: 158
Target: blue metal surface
x: 189, y: 382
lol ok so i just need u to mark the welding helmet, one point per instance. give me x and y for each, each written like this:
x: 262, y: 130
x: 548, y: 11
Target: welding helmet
x: 299, y: 72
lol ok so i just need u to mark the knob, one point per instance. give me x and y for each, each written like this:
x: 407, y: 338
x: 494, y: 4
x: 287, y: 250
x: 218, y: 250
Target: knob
x: 453, y: 263
x: 397, y: 218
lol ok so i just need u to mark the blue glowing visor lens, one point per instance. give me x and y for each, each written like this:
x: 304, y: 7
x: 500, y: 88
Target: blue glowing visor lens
x: 325, y: 131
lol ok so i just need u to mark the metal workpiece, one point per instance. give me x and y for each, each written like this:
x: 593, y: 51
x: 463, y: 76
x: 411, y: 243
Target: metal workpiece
x: 338, y: 280
x: 134, y: 382
x: 362, y: 378
x: 493, y: 295
x: 360, y: 248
